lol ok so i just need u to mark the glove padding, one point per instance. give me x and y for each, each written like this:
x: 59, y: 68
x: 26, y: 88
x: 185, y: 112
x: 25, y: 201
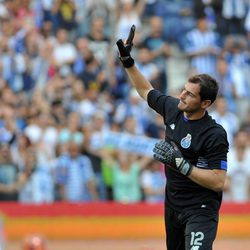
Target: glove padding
x: 125, y: 49
x: 168, y: 153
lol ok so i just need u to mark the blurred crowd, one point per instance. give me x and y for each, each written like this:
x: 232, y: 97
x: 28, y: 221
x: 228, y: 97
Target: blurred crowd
x: 63, y: 90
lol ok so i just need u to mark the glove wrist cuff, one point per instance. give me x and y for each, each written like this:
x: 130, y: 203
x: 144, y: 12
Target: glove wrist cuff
x: 186, y: 168
x: 127, y: 61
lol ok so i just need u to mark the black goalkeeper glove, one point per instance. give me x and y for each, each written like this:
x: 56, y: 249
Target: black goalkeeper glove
x: 168, y: 153
x: 124, y: 49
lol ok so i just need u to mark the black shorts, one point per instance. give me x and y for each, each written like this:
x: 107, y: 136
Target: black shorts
x: 190, y: 230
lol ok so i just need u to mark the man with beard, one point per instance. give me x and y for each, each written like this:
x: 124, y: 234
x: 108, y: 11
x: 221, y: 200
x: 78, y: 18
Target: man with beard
x: 194, y: 153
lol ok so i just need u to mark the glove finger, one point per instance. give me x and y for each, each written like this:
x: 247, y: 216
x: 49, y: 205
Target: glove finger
x: 159, y: 144
x: 123, y: 51
x: 129, y: 41
x: 158, y: 158
x: 163, y: 145
x: 131, y: 35
x: 169, y: 146
x: 159, y: 151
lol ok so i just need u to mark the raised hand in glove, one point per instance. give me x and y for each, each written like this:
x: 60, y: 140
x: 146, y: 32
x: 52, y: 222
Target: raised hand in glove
x: 168, y: 153
x: 124, y: 49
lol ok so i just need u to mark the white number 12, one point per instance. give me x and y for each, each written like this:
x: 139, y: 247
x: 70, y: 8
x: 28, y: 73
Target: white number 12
x: 196, y: 238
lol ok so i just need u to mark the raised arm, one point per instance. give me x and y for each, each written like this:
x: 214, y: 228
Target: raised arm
x: 141, y: 84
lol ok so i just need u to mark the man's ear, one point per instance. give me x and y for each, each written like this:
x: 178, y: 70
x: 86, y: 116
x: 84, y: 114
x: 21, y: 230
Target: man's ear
x: 205, y: 104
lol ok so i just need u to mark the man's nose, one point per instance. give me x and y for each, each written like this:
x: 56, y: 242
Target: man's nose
x: 183, y: 94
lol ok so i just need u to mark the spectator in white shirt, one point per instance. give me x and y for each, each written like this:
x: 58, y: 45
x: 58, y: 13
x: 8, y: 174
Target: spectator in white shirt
x: 64, y: 53
x: 237, y: 188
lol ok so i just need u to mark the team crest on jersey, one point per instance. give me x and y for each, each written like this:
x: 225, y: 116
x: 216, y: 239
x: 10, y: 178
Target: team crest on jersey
x: 186, y: 141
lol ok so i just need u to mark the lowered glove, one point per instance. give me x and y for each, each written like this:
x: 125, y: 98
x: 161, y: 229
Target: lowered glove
x: 168, y: 153
x: 124, y: 49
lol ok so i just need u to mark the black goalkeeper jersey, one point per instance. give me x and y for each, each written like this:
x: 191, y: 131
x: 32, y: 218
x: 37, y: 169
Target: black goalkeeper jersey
x: 203, y: 142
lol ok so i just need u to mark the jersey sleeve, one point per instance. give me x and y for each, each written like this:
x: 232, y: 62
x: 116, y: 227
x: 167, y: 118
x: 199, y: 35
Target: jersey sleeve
x: 165, y: 105
x: 216, y: 152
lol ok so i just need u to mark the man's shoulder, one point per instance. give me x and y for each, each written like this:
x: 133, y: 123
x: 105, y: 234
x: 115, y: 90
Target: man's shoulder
x: 214, y: 125
x: 157, y: 95
x: 216, y: 135
x: 162, y: 103
x: 211, y: 132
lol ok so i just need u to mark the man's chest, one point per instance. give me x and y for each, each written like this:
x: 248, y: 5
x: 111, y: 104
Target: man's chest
x: 190, y: 137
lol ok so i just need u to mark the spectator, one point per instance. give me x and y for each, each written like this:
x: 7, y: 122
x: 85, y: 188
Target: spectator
x: 59, y: 113
x: 9, y: 175
x: 38, y: 186
x: 64, y: 53
x: 47, y: 10
x: 153, y: 182
x: 155, y: 41
x: 43, y: 134
x: 219, y: 20
x: 47, y: 31
x: 238, y: 58
x: 72, y: 130
x: 19, y: 150
x: 234, y: 13
x: 93, y: 145
x: 226, y: 118
x: 226, y: 84
x: 213, y: 11
x: 246, y: 125
x: 8, y: 122
x: 96, y: 8
x: 64, y: 12
x: 93, y: 75
x: 178, y: 19
x: 83, y: 53
x: 89, y: 104
x: 133, y: 108
x: 237, y: 188
x: 99, y: 43
x: 41, y: 64
x: 6, y: 62
x: 202, y: 47
x: 131, y: 126
x: 128, y: 12
x: 126, y: 169
x: 155, y: 128
x: 74, y: 176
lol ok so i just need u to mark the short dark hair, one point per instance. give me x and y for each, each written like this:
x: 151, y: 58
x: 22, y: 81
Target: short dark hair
x: 209, y: 86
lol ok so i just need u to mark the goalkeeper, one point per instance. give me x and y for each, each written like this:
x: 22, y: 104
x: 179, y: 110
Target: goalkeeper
x: 194, y: 152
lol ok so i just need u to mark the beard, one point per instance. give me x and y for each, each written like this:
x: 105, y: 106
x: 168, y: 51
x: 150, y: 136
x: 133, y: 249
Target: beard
x: 190, y: 110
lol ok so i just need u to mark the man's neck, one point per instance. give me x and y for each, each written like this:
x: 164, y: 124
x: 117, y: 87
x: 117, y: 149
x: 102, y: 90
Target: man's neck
x: 194, y: 116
